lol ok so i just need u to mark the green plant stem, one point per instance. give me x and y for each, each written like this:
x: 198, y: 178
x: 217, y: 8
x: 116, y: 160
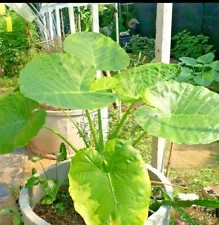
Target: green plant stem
x: 139, y: 138
x: 63, y: 138
x: 78, y: 128
x: 169, y: 160
x: 101, y: 141
x: 44, y: 170
x: 206, y: 202
x: 92, y: 129
x: 121, y: 122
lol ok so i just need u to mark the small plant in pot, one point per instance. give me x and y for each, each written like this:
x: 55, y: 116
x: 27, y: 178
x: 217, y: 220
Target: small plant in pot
x: 108, y: 181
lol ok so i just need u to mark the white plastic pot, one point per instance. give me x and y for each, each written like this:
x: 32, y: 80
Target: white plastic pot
x: 46, y: 142
x: 30, y: 197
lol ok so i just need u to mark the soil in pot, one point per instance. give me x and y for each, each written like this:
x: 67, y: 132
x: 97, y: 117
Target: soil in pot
x: 51, y: 108
x: 61, y: 212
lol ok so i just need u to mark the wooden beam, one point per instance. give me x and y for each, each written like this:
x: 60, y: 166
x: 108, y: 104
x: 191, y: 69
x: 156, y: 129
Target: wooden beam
x: 162, y: 54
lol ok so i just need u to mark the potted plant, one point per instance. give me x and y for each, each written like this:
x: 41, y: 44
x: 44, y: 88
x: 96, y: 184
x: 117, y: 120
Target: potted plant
x: 46, y: 143
x: 108, y: 181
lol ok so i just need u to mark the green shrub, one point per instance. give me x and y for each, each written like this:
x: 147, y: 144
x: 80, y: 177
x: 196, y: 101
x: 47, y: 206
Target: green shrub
x: 144, y: 45
x: 15, y: 51
x: 187, y: 45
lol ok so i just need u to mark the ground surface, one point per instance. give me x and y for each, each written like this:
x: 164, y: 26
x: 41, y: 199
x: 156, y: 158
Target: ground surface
x: 195, y: 167
x: 15, y: 168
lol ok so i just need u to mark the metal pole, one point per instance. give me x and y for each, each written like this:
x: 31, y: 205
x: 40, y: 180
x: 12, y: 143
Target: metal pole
x: 51, y: 25
x: 72, y: 20
x: 117, y: 22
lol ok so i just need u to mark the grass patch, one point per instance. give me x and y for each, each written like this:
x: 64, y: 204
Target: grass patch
x: 7, y: 85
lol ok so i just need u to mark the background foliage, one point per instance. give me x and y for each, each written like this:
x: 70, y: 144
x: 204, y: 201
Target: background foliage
x: 15, y: 51
x: 188, y: 45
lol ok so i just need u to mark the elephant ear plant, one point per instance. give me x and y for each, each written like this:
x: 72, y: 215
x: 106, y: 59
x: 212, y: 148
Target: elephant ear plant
x: 107, y: 179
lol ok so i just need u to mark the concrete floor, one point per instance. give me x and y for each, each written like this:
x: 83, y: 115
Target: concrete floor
x: 15, y: 168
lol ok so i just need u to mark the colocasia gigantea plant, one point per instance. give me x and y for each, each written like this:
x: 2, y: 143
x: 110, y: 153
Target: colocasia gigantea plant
x: 107, y: 180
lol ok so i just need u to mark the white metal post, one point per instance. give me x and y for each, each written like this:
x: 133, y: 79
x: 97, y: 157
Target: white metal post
x: 51, y: 25
x: 95, y: 28
x: 45, y: 30
x: 117, y: 22
x: 71, y: 19
x: 44, y: 19
x: 58, y: 25
x: 162, y: 54
x: 95, y: 15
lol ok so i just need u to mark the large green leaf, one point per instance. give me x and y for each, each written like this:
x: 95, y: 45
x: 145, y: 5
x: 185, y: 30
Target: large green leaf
x: 104, y: 83
x: 101, y: 51
x: 133, y: 81
x: 205, y: 79
x: 215, y: 65
x: 63, y: 81
x: 113, y: 189
x: 207, y: 58
x: 185, y: 75
x: 19, y: 121
x: 181, y: 112
x: 188, y: 61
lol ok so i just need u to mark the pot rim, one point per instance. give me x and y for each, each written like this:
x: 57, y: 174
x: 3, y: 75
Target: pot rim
x: 71, y: 112
x: 24, y: 197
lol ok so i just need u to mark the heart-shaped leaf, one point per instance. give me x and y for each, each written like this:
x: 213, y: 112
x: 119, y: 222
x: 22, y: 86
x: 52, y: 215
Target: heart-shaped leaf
x: 182, y: 113
x: 216, y: 75
x: 20, y: 121
x: 207, y: 58
x: 101, y: 51
x: 32, y: 181
x: 188, y: 61
x: 205, y: 79
x: 110, y: 189
x: 133, y: 81
x: 51, y: 189
x: 215, y: 65
x: 185, y: 75
x: 63, y: 81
